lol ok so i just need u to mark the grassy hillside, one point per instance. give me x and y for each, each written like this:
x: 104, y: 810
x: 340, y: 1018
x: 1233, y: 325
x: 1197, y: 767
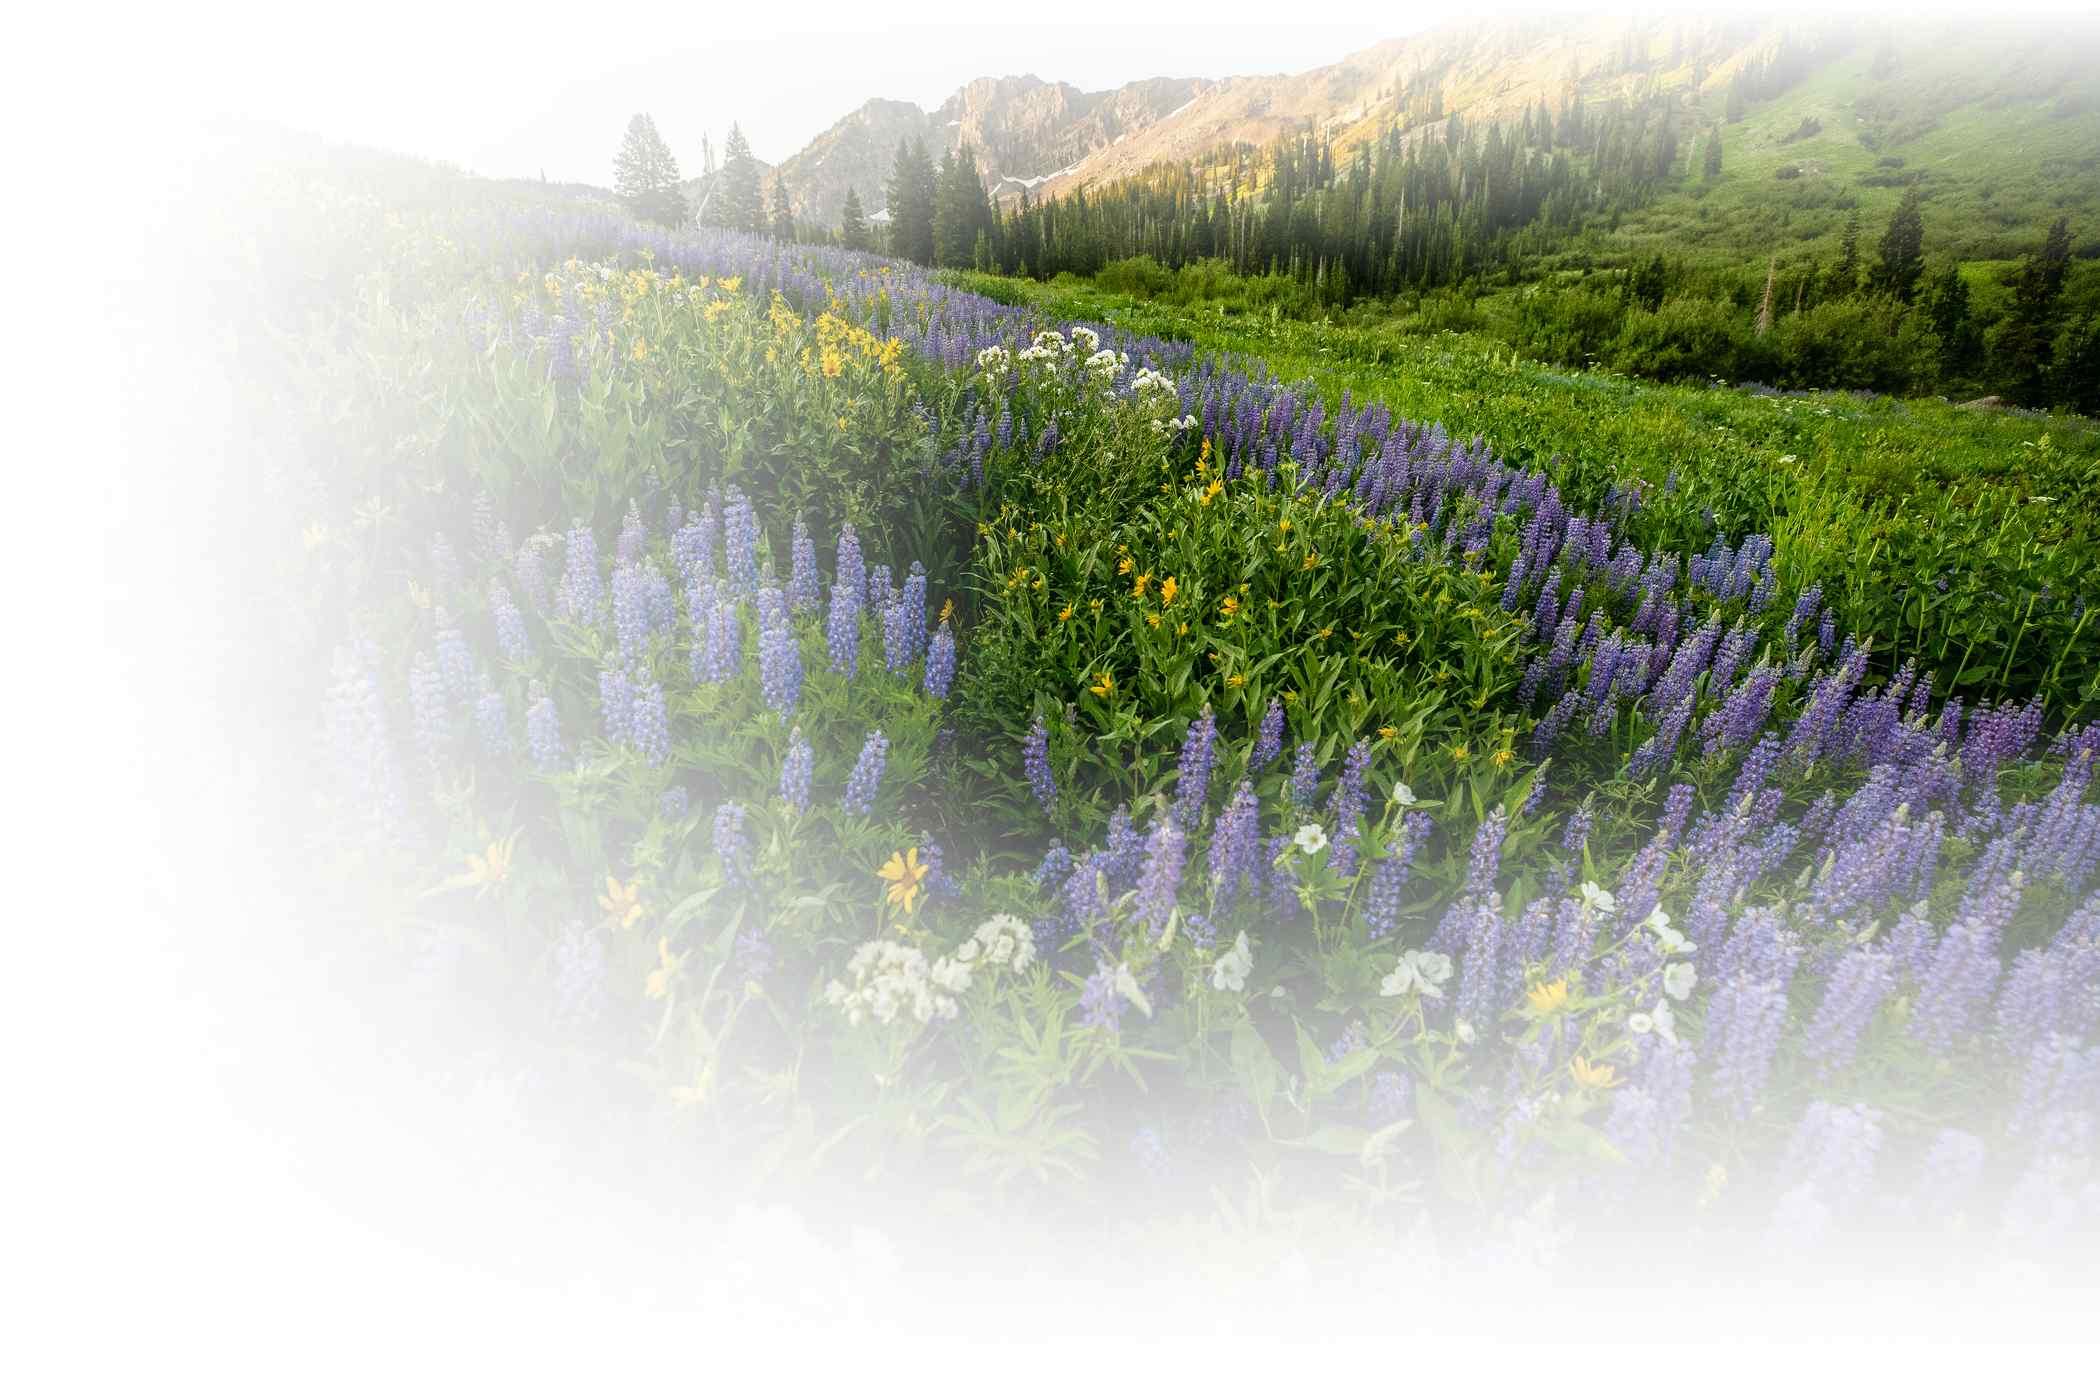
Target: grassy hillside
x: 1998, y: 152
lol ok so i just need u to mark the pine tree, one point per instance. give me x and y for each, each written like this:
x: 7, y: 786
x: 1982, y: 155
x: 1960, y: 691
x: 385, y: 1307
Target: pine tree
x: 960, y: 210
x: 645, y: 175
x: 1902, y: 249
x: 1713, y: 154
x: 1844, y: 279
x: 782, y: 219
x: 736, y: 201
x: 910, y: 198
x: 1764, y: 307
x: 853, y: 224
x: 2026, y: 338
x: 1948, y: 311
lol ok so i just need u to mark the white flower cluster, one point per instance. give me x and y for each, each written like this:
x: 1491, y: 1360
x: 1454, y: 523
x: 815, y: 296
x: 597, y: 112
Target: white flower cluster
x: 993, y: 360
x: 891, y: 979
x: 1107, y: 364
x: 1048, y: 345
x: 1086, y: 339
x: 1419, y: 971
x: 1151, y: 381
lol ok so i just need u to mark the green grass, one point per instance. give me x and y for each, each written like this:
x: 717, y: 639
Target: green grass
x: 1877, y: 499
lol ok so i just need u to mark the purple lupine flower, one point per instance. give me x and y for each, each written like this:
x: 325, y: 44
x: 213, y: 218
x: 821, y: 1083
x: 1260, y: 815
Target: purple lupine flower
x: 779, y: 658
x: 1235, y: 848
x: 1828, y: 1167
x: 1743, y: 1024
x: 1198, y: 752
x: 429, y: 716
x: 455, y: 662
x: 651, y: 725
x: 1576, y: 834
x: 1305, y: 777
x: 693, y: 544
x: 1268, y: 744
x: 1480, y: 962
x: 511, y: 637
x: 1035, y: 763
x: 627, y: 548
x: 1861, y: 982
x: 1953, y: 1165
x: 721, y: 654
x: 1389, y: 878
x: 543, y: 731
x: 615, y: 705
x: 580, y: 999
x: 492, y: 721
x: 1958, y: 983
x: 866, y: 777
x: 803, y: 592
x: 531, y: 574
x: 1126, y: 850
x: 1100, y: 1005
x: 630, y: 610
x: 1160, y: 879
x: 732, y: 844
x: 795, y: 771
x: 1347, y: 807
x: 940, y: 663
x: 740, y: 542
x: 582, y: 596
x: 938, y: 880
x: 1649, y: 1114
x: 357, y: 729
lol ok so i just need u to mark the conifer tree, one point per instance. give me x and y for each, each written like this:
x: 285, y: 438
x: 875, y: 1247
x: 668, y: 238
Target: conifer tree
x: 1902, y: 249
x: 910, y: 196
x: 645, y: 175
x: 853, y: 224
x: 737, y: 202
x: 782, y: 218
x: 2025, y: 341
x: 1713, y: 154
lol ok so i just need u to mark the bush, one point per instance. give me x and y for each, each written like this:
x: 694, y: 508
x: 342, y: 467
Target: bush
x: 1687, y: 338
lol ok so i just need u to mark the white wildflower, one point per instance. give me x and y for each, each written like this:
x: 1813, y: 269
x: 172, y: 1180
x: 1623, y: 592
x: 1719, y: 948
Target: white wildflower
x: 1419, y: 971
x: 1128, y: 989
x: 1595, y: 896
x: 1669, y: 936
x: 1310, y: 839
x: 1229, y: 973
x: 1403, y: 795
x: 1679, y: 978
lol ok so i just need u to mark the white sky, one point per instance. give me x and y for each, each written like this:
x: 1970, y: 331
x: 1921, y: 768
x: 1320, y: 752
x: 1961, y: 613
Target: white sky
x: 532, y: 86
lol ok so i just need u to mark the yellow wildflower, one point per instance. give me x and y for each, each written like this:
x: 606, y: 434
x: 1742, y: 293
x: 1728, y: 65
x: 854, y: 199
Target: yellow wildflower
x: 1461, y: 752
x: 1152, y: 619
x: 1066, y: 614
x: 1137, y: 589
x: 1104, y: 685
x: 1230, y: 607
x: 620, y: 903
x: 1312, y: 559
x: 1235, y: 680
x: 905, y: 873
x: 1123, y: 565
x: 1591, y: 1076
x: 1169, y: 589
x: 1386, y: 731
x: 1545, y: 998
x: 664, y: 973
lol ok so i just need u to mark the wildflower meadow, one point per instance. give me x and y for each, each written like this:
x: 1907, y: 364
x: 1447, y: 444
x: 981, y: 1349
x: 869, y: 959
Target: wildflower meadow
x: 897, y: 744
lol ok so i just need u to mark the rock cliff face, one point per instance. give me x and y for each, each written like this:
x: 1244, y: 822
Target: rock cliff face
x: 1024, y: 130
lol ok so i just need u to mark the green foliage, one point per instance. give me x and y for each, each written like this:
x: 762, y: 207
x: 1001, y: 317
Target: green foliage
x: 645, y: 175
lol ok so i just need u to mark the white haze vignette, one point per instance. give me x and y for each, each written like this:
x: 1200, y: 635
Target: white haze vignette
x: 230, y: 1182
